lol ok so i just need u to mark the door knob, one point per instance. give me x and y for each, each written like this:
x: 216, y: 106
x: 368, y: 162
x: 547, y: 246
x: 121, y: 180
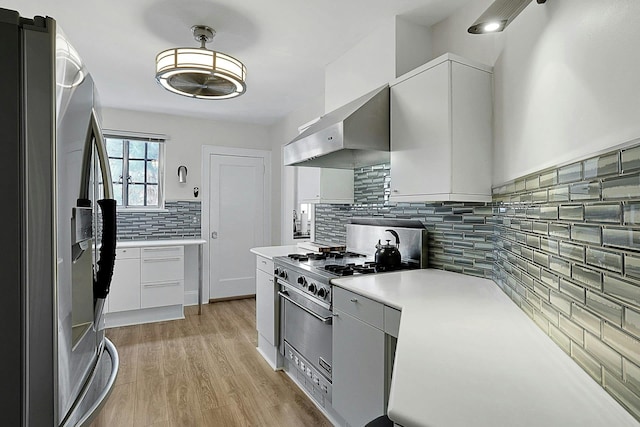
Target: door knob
x: 214, y: 234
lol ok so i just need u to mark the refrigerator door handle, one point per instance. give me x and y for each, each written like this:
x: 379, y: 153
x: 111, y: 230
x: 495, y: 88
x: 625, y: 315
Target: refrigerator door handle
x: 103, y: 157
x: 107, y: 258
x: 106, y: 261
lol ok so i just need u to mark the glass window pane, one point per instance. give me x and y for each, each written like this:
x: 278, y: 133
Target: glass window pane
x: 116, y: 169
x: 114, y: 147
x: 136, y: 194
x: 153, y: 149
x: 152, y: 172
x: 117, y: 193
x: 152, y: 195
x: 136, y: 170
x: 136, y: 149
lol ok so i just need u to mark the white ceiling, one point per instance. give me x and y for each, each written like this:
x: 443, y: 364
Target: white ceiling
x: 285, y: 45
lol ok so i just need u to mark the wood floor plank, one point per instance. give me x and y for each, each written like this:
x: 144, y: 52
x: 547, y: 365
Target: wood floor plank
x: 202, y: 371
x: 173, y: 351
x: 150, y: 357
x: 151, y: 401
x: 182, y: 400
x: 120, y: 408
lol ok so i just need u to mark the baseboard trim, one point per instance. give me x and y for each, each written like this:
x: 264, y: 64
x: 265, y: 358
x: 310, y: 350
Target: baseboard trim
x: 191, y: 298
x: 231, y: 298
x: 145, y: 315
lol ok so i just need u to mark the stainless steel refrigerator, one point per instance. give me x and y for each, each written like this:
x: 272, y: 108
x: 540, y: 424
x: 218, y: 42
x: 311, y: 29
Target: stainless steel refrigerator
x: 58, y: 231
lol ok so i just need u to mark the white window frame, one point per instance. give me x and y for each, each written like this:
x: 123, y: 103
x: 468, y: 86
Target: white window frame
x: 140, y: 137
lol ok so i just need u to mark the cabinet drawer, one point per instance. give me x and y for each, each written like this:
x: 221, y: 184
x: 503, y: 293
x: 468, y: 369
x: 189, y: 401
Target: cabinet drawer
x: 162, y: 293
x: 391, y: 321
x: 264, y: 264
x: 360, y: 307
x: 160, y: 269
x: 127, y: 253
x: 162, y: 251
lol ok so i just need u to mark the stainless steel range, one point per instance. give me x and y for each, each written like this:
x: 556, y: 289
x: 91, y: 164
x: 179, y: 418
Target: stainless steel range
x: 306, y: 295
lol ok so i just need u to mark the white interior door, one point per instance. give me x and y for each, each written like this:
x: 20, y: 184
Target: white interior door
x: 236, y: 223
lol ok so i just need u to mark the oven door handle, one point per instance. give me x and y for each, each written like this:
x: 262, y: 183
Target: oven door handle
x: 326, y: 320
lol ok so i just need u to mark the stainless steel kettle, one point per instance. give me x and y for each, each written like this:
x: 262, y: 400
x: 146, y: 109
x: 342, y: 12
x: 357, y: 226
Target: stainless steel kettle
x: 388, y: 256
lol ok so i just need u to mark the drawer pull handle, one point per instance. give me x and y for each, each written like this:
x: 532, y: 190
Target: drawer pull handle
x: 162, y: 259
x: 354, y: 300
x: 161, y: 285
x: 264, y: 262
x: 169, y: 248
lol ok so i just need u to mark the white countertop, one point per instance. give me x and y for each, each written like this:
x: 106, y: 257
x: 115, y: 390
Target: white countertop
x: 274, y: 251
x: 468, y: 356
x: 164, y: 242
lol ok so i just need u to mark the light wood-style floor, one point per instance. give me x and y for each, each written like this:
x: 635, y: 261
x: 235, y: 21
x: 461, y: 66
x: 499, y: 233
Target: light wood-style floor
x: 201, y: 371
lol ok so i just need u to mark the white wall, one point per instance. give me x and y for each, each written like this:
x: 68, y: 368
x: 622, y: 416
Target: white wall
x: 566, y: 79
x: 186, y: 138
x: 413, y: 45
x: 369, y: 64
x: 397, y: 46
x: 283, y: 176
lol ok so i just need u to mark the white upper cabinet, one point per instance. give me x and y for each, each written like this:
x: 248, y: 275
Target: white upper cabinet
x: 441, y: 132
x: 324, y: 185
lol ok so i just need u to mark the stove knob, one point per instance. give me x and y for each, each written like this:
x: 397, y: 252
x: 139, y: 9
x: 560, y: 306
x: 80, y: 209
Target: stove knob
x: 323, y: 293
x: 312, y: 288
x: 302, y: 281
x: 276, y: 272
x: 283, y: 274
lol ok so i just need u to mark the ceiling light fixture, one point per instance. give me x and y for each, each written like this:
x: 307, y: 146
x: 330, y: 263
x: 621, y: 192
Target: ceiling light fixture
x: 200, y: 72
x: 499, y: 15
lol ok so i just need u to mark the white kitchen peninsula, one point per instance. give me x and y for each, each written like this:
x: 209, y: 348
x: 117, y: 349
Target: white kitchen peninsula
x: 149, y: 281
x: 467, y: 355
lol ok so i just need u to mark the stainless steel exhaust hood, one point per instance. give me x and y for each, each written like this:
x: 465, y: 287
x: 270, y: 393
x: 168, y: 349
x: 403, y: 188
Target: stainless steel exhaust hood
x: 354, y: 135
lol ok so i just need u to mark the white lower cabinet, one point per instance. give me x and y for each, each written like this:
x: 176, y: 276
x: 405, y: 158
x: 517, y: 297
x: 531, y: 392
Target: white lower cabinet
x: 358, y: 370
x: 147, y: 286
x: 124, y: 293
x: 267, y: 312
x: 364, y: 336
x: 161, y: 276
x: 265, y: 306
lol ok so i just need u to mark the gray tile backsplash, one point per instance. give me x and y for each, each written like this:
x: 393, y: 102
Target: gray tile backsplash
x: 593, y: 268
x: 179, y: 219
x: 563, y: 243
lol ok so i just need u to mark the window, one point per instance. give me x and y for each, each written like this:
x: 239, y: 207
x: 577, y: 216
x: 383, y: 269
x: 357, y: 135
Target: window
x: 136, y: 170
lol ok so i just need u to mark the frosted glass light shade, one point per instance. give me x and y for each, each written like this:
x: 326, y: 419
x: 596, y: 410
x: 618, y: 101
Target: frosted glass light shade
x: 200, y: 73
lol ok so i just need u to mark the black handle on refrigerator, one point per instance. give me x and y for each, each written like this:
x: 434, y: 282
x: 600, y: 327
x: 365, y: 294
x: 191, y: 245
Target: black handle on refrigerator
x: 102, y: 280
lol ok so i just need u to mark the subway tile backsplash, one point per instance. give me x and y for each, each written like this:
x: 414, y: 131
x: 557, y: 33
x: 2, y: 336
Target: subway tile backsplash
x: 563, y: 243
x: 178, y: 220
x: 460, y: 234
x: 593, y: 269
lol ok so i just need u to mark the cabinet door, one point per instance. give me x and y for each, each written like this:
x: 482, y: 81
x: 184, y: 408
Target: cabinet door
x: 358, y: 370
x: 265, y: 306
x: 421, y: 134
x: 325, y: 185
x: 308, y: 184
x: 124, y: 293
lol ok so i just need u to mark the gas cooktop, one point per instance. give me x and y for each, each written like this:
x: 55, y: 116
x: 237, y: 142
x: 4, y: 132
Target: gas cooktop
x: 332, y: 264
